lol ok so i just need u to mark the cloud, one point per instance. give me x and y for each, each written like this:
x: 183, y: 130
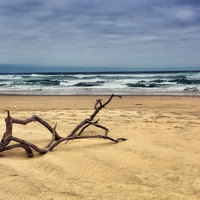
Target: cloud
x: 100, y: 33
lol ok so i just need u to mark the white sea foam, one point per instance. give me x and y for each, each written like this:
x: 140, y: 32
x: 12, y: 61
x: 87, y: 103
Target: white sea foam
x: 185, y: 83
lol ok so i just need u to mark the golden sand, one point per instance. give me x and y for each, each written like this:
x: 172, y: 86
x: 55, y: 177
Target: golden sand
x: 160, y: 160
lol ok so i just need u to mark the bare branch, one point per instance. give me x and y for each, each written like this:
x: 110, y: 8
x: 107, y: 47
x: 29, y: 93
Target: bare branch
x: 98, y: 101
x: 53, y: 136
x: 5, y: 142
x: 40, y: 120
x: 27, y: 148
x: 99, y: 126
x: 87, y: 126
x: 56, y: 139
x: 42, y: 151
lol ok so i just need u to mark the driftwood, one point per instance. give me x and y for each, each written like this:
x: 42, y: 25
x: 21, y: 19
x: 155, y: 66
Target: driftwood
x: 56, y: 138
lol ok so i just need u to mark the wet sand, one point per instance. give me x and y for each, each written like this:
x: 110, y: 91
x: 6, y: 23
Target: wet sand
x: 160, y: 160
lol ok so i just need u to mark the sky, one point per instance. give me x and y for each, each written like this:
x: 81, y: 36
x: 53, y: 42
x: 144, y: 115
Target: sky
x: 99, y: 35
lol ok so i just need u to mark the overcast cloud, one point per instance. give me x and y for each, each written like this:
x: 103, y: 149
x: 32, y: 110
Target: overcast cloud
x: 135, y: 35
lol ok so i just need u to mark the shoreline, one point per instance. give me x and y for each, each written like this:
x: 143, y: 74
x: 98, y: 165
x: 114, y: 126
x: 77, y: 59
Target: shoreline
x: 70, y: 102
x: 93, y: 95
x: 96, y: 93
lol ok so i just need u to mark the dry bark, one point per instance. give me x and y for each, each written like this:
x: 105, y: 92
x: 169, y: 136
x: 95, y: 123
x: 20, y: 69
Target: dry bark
x: 56, y: 138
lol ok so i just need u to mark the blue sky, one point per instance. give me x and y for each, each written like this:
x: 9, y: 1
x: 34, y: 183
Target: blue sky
x: 71, y: 35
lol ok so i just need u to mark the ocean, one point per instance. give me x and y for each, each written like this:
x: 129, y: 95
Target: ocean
x: 121, y: 83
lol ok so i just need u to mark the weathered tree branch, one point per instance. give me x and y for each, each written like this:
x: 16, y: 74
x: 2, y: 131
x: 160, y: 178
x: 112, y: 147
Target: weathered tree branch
x: 56, y: 138
x: 86, y: 127
x: 53, y: 136
x: 40, y: 120
x: 26, y: 147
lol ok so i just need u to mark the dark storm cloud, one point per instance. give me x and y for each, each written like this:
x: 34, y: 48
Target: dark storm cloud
x: 94, y: 32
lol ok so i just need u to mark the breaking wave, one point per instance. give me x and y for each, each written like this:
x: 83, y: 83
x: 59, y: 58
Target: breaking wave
x: 129, y: 83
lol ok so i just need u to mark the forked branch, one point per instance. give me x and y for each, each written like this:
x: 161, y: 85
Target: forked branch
x: 56, y: 138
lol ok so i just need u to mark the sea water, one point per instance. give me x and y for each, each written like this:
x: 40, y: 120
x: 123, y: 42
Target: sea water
x: 122, y: 83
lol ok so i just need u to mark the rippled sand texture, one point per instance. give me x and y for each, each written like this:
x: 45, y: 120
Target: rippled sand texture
x: 160, y: 160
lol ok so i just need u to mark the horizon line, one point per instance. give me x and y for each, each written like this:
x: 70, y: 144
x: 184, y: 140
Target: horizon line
x: 104, y: 72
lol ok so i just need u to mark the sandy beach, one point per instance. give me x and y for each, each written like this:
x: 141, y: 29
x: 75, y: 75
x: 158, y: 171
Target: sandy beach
x: 159, y: 161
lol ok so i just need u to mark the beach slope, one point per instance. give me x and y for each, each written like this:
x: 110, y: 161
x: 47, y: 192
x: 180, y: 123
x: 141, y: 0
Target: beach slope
x: 160, y: 160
